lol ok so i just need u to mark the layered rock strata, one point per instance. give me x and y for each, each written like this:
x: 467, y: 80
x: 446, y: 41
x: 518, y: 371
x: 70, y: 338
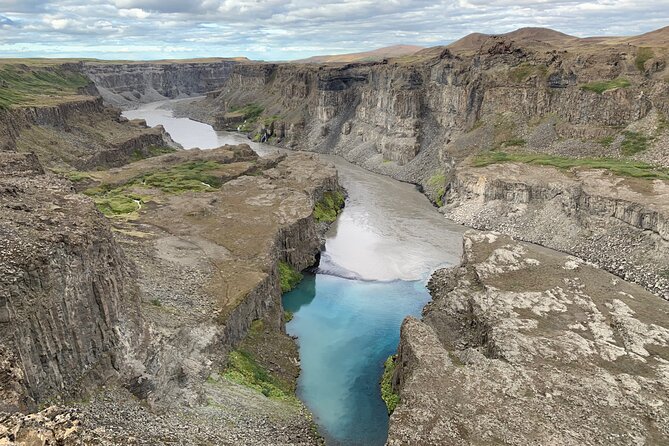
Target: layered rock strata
x: 124, y: 84
x: 69, y: 305
x: 523, y: 345
x: 620, y: 224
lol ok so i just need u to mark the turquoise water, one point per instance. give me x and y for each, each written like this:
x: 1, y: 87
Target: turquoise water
x: 346, y: 329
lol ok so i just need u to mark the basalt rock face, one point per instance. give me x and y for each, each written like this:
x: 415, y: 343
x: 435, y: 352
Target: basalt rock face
x: 125, y: 84
x: 522, y: 345
x: 78, y: 134
x: 155, y: 326
x: 412, y: 118
x: 69, y: 308
x: 620, y: 224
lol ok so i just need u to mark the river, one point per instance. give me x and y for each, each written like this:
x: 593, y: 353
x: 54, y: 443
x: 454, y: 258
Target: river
x: 378, y: 257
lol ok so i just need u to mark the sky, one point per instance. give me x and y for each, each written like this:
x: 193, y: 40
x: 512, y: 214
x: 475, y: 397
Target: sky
x: 291, y: 29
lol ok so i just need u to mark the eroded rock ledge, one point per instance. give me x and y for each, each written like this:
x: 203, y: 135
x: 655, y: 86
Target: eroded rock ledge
x: 149, y: 303
x: 620, y: 224
x: 523, y: 345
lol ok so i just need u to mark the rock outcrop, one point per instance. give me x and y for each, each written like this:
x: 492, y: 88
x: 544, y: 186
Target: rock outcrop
x: 69, y: 305
x: 124, y: 84
x: 523, y: 345
x: 620, y: 224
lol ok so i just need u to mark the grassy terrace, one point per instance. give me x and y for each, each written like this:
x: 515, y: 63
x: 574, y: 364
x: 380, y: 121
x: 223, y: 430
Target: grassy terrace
x: 122, y: 200
x: 629, y: 168
x: 34, y: 86
x: 600, y: 87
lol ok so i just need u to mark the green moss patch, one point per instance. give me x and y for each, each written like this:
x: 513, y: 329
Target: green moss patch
x: 244, y: 369
x: 621, y: 167
x: 523, y: 71
x: 21, y: 85
x: 190, y: 176
x: 634, y: 142
x: 289, y: 277
x: 249, y: 111
x: 329, y: 207
x: 642, y: 56
x: 118, y: 202
x: 438, y: 184
x: 600, y: 87
x: 390, y: 397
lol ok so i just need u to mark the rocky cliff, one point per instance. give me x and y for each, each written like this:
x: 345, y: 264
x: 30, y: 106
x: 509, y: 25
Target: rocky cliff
x: 124, y: 84
x: 410, y: 117
x: 523, y: 345
x: 620, y: 224
x: 69, y: 305
x: 57, y: 113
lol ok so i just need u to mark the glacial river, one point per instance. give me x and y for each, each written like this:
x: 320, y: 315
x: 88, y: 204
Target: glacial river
x: 378, y: 257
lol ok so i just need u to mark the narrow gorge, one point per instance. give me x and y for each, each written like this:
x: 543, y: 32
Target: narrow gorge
x: 464, y: 245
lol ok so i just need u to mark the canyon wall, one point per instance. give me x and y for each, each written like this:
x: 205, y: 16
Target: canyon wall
x: 123, y: 84
x: 412, y: 117
x: 79, y: 133
x: 69, y: 306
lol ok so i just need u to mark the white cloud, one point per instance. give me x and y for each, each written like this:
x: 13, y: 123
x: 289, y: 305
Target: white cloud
x: 134, y: 13
x: 281, y: 29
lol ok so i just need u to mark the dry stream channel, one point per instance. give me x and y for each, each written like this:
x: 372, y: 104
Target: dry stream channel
x: 347, y: 315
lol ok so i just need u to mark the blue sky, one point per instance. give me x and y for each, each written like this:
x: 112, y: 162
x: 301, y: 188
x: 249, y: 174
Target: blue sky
x: 281, y: 30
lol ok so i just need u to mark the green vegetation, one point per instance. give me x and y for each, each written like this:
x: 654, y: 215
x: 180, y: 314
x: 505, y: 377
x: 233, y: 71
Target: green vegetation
x: 288, y: 276
x: 438, y: 183
x: 73, y: 175
x: 329, y: 207
x: 156, y: 302
x: 189, y: 176
x: 250, y: 112
x: 523, y: 71
x: 513, y: 142
x: 635, y: 169
x: 287, y: 316
x: 606, y: 141
x: 269, y: 120
x: 600, y: 87
x: 642, y: 56
x: 634, y: 142
x: 116, y: 202
x: 151, y: 151
x: 390, y: 397
x: 20, y: 85
x: 244, y: 369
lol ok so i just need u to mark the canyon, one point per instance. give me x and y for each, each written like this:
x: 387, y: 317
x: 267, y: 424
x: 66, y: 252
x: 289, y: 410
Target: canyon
x: 554, y: 328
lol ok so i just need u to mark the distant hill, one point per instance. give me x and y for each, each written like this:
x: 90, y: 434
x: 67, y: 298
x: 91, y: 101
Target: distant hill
x: 523, y: 36
x: 657, y: 38
x: 367, y: 56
